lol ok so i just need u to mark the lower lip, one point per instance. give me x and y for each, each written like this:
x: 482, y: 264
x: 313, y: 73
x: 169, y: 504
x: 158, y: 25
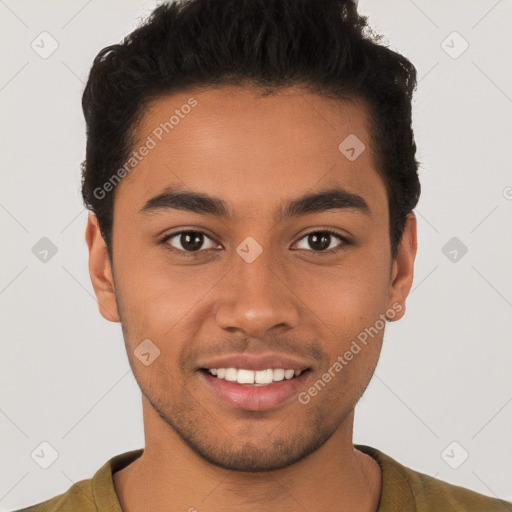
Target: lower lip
x: 254, y: 398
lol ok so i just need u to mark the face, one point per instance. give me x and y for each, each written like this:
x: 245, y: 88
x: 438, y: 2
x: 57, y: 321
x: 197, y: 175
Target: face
x: 282, y: 262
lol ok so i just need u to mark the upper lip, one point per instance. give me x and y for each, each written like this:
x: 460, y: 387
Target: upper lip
x: 255, y: 362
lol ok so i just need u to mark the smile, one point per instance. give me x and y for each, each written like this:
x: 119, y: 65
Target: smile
x: 257, y: 378
x: 253, y: 390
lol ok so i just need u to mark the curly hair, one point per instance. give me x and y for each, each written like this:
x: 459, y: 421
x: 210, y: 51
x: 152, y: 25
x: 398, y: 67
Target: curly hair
x: 324, y: 46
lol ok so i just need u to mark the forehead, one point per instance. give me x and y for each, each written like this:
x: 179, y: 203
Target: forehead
x: 252, y: 150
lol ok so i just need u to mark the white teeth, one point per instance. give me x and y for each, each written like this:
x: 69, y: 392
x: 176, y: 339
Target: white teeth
x: 256, y: 378
x: 264, y: 376
x: 245, y: 377
x: 231, y: 374
x: 288, y: 374
x: 278, y: 374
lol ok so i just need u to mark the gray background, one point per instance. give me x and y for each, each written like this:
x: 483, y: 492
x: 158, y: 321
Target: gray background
x: 444, y: 374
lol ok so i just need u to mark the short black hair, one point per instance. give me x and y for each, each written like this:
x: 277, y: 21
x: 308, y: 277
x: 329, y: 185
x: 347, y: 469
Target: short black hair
x: 324, y: 46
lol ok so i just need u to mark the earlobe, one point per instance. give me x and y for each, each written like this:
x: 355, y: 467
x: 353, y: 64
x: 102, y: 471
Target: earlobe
x: 403, y: 269
x: 101, y: 271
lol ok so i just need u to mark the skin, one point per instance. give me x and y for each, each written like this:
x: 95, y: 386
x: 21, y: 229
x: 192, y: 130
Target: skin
x: 256, y: 154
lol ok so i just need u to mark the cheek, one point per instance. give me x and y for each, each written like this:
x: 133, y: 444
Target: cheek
x: 348, y: 294
x: 168, y: 304
x: 159, y: 300
x: 350, y: 301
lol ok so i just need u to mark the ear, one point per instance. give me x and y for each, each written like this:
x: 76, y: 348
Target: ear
x: 101, y: 271
x: 402, y: 272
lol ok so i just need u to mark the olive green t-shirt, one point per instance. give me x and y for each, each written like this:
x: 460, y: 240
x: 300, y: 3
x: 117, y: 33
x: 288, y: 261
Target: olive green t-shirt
x: 402, y: 490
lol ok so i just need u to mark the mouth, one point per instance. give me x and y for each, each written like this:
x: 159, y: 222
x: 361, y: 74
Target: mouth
x: 254, y: 390
x: 254, y: 377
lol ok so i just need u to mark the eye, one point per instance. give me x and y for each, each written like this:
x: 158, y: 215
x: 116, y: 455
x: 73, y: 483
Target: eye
x: 188, y: 241
x: 321, y: 241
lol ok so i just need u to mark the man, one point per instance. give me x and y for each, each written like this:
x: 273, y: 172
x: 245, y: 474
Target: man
x: 251, y: 176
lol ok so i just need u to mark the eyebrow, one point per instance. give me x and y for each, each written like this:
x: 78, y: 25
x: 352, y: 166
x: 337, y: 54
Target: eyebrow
x: 177, y: 198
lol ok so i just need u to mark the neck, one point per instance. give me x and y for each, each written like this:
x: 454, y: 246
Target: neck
x: 169, y: 477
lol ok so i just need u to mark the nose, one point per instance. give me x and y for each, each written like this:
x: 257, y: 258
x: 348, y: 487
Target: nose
x: 256, y: 298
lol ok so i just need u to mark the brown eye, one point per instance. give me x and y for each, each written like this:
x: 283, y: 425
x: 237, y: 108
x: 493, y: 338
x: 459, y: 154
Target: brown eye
x: 322, y: 241
x: 188, y: 241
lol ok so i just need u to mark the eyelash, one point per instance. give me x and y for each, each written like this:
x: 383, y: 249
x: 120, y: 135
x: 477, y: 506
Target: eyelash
x: 343, y: 239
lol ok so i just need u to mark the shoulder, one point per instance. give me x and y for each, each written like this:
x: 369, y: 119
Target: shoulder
x: 78, y: 498
x: 406, y: 489
x: 90, y: 495
x: 432, y: 493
